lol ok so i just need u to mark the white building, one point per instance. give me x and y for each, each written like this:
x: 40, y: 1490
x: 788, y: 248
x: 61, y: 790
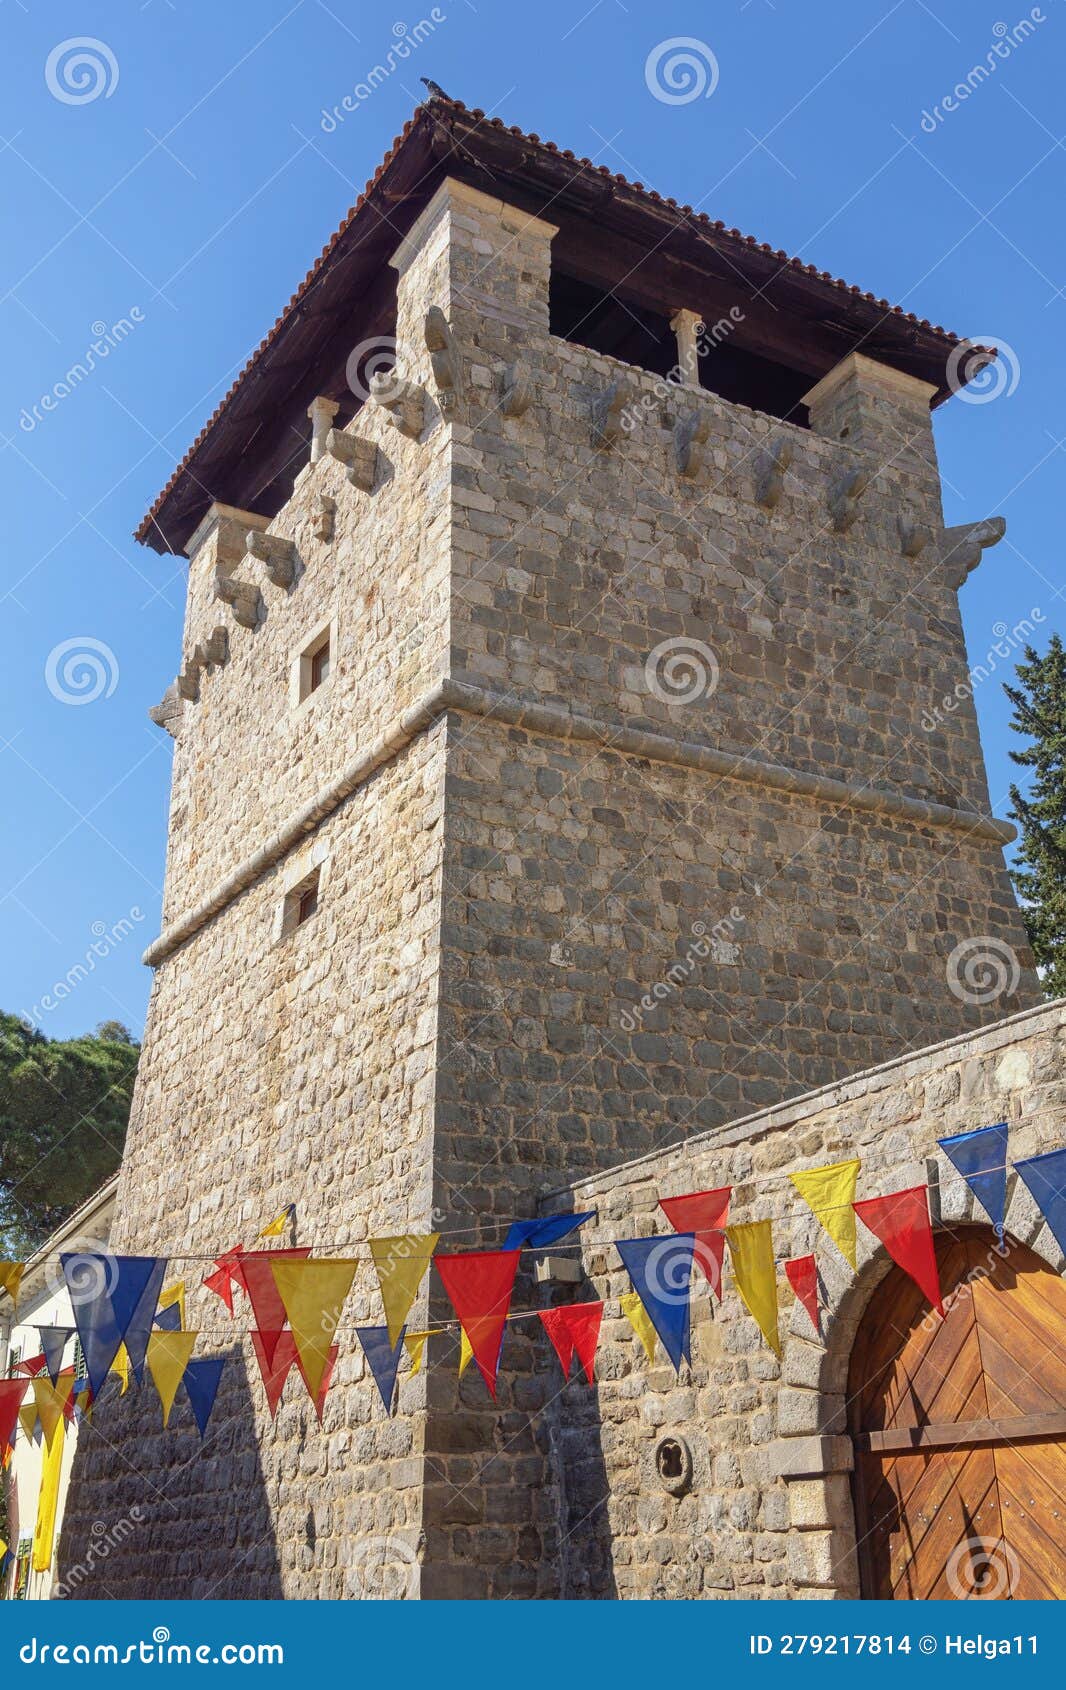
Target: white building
x: 43, y: 1301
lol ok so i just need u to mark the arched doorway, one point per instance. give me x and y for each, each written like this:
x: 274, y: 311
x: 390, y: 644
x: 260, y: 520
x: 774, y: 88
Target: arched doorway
x: 959, y: 1427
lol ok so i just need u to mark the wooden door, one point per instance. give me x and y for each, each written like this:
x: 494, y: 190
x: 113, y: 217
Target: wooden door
x: 959, y: 1428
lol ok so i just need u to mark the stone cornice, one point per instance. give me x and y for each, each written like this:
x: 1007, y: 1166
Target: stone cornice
x: 554, y: 722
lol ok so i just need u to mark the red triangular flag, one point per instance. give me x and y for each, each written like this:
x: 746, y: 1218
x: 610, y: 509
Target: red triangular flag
x: 901, y: 1222
x: 224, y: 1278
x: 802, y: 1275
x: 12, y: 1392
x: 251, y: 1270
x: 706, y: 1213
x: 574, y: 1326
x: 32, y: 1367
x: 276, y: 1366
x: 479, y: 1285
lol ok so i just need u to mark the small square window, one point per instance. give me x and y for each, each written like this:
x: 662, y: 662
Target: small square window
x: 300, y: 904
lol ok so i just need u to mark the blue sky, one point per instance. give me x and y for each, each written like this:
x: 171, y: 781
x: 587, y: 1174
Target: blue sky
x: 180, y: 206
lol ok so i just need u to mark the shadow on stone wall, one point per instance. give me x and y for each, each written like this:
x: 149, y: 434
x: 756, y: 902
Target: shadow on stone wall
x: 154, y: 1513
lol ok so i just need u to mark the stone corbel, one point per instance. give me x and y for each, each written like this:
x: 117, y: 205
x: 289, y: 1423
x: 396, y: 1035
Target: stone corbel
x: 605, y: 414
x: 515, y: 391
x: 961, y: 547
x: 404, y: 402
x: 324, y: 516
x: 276, y: 552
x: 216, y: 649
x: 359, y: 457
x: 688, y: 326
x: 445, y: 359
x: 167, y: 713
x: 690, y: 434
x: 844, y: 499
x: 913, y: 536
x: 188, y: 682
x: 770, y: 475
x: 322, y: 412
x: 243, y: 598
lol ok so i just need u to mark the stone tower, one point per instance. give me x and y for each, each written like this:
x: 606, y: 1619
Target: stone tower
x: 550, y: 782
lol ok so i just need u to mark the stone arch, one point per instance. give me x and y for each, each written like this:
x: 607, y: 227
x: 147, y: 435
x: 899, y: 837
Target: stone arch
x: 813, y: 1453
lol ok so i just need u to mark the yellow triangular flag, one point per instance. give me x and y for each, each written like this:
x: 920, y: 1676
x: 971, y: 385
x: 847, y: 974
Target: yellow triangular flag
x: 50, y: 1401
x: 121, y: 1366
x: 28, y: 1418
x: 313, y: 1296
x: 466, y: 1351
x: 829, y: 1193
x: 170, y: 1295
x: 3, y: 1549
x: 415, y: 1345
x: 168, y: 1356
x: 401, y: 1263
x: 751, y: 1250
x: 639, y: 1319
x: 11, y: 1279
x: 44, y: 1530
x: 276, y: 1227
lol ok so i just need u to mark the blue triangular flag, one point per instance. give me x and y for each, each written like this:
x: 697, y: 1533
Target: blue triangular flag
x: 383, y: 1360
x: 201, y: 1379
x: 106, y: 1294
x: 981, y: 1158
x: 1046, y: 1178
x: 540, y: 1233
x: 168, y: 1320
x: 661, y: 1269
x: 53, y: 1343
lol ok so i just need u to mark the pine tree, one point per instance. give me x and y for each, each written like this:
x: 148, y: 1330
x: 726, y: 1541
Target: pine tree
x: 1040, y: 714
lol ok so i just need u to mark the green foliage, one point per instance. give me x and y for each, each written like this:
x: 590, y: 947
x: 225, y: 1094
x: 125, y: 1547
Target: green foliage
x: 64, y: 1106
x: 1040, y: 714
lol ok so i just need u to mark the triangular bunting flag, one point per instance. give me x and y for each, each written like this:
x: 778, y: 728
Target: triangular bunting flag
x: 1045, y: 1177
x: 168, y: 1356
x: 829, y: 1193
x: 276, y: 1227
x: 537, y: 1235
x: 121, y: 1366
x: 661, y: 1271
x: 802, y: 1275
x: 11, y: 1278
x: 401, y: 1265
x: 54, y: 1340
x: 133, y: 1298
x: 574, y: 1328
x: 479, y: 1285
x: 170, y: 1313
x: 12, y: 1392
x: 637, y: 1316
x: 252, y: 1270
x: 28, y: 1419
x: 706, y: 1213
x: 50, y: 1402
x: 466, y: 1351
x: 751, y: 1251
x: 981, y: 1158
x: 383, y: 1359
x: 415, y: 1345
x: 201, y: 1381
x: 283, y: 1358
x: 224, y: 1275
x: 113, y: 1299
x: 901, y: 1222
x: 31, y: 1366
x: 313, y: 1296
